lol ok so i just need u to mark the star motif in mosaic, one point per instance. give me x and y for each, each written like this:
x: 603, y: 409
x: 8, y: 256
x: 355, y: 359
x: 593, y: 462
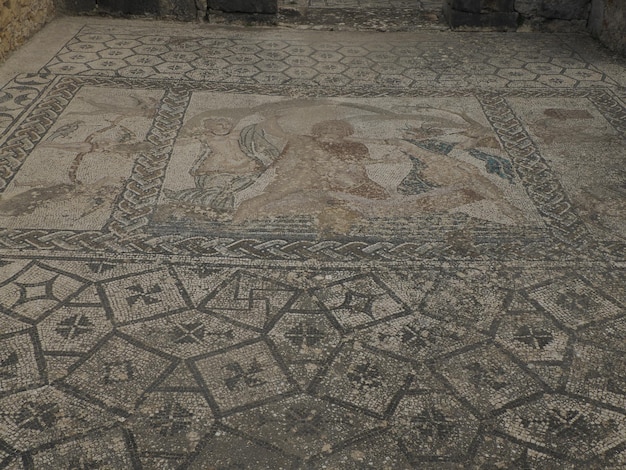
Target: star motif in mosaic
x: 117, y: 373
x: 35, y: 290
x: 189, y: 333
x: 358, y: 377
x: 35, y: 418
x: 567, y: 426
x: 434, y: 427
x: 574, y: 302
x: 303, y: 425
x: 142, y: 296
x: 171, y: 421
x: 304, y: 341
x: 487, y: 378
x: 360, y: 301
x: 243, y: 376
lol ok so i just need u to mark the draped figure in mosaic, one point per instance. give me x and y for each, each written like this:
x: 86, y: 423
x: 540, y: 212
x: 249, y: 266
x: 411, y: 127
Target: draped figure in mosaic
x: 263, y: 162
x: 228, y: 162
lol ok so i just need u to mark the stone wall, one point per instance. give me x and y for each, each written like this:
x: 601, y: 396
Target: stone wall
x: 177, y: 9
x: 607, y: 21
x: 554, y: 9
x: 244, y: 6
x: 510, y: 14
x: 494, y: 14
x: 19, y: 19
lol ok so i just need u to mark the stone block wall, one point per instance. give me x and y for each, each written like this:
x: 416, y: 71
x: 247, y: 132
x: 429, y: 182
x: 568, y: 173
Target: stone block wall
x: 244, y: 6
x: 19, y: 19
x: 509, y: 14
x: 554, y: 9
x: 493, y: 14
x: 607, y: 21
x: 553, y: 15
x: 178, y: 9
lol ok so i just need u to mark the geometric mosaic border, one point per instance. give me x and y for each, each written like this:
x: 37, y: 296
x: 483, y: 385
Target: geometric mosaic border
x: 127, y: 229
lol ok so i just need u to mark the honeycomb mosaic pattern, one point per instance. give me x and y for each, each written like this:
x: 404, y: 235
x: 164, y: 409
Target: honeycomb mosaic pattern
x: 133, y: 342
x: 402, y: 64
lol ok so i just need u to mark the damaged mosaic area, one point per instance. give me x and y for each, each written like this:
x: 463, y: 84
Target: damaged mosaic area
x: 271, y: 271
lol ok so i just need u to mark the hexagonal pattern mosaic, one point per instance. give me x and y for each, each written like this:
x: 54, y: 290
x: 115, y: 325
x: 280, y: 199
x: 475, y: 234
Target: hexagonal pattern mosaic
x: 392, y: 63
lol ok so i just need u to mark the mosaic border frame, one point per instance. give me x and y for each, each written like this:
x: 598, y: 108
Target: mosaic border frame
x: 126, y: 229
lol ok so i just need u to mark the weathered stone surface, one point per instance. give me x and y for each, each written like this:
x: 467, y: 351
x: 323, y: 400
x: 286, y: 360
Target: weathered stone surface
x: 471, y: 6
x: 565, y: 9
x: 76, y: 6
x: 484, y: 6
x: 498, y: 5
x: 136, y: 7
x: 179, y: 9
x: 494, y: 14
x: 607, y: 21
x: 19, y: 19
x: 527, y: 8
x: 498, y: 21
x: 245, y: 6
x: 259, y: 249
x: 201, y: 9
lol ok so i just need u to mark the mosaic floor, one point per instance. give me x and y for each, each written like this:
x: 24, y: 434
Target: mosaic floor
x: 278, y: 249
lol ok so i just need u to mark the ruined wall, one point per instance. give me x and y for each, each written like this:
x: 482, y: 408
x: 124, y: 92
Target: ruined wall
x: 244, y: 6
x: 174, y: 9
x: 510, y: 14
x: 493, y: 14
x: 19, y: 19
x: 178, y: 9
x: 607, y: 21
x: 554, y: 9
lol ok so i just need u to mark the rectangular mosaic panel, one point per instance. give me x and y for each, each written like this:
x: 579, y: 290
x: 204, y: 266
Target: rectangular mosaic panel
x: 87, y: 154
x: 344, y: 166
x: 587, y: 154
x: 279, y: 172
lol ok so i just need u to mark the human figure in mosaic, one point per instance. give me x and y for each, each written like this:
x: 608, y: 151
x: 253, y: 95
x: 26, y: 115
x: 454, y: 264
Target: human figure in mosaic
x: 221, y: 169
x: 425, y: 163
x: 313, y: 171
x: 228, y: 162
x: 79, y: 144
